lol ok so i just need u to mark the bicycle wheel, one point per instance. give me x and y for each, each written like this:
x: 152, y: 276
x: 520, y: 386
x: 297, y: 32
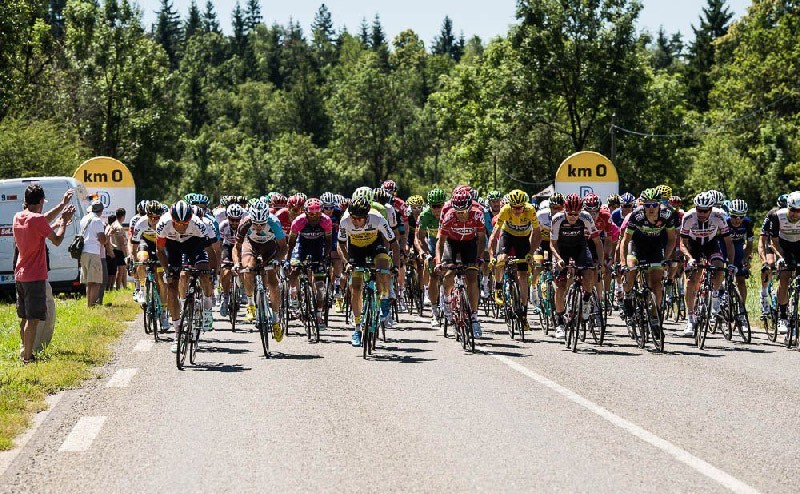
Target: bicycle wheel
x: 466, y: 317
x: 283, y: 311
x: 233, y: 302
x: 367, y: 321
x: 194, y: 340
x: 703, y: 319
x: 151, y: 318
x: 182, y: 338
x: 262, y: 321
x: 638, y: 323
x: 146, y: 309
x: 740, y: 317
x: 656, y: 331
x: 574, y: 309
x: 511, y: 291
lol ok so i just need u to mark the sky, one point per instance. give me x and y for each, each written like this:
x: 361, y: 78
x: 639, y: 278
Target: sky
x: 482, y: 17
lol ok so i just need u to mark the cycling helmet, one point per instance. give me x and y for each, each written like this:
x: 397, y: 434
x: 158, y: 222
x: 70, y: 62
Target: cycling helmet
x: 591, y: 202
x: 305, y: 197
x: 738, y: 207
x: 296, y: 201
x: 473, y: 193
x: 278, y: 201
x: 557, y: 199
x: 224, y: 201
x: 202, y: 199
x: 517, y: 198
x: 612, y: 200
x: 415, y: 201
x: 189, y: 198
x: 675, y: 201
x: 141, y: 208
x: 381, y: 196
x: 716, y: 196
x: 328, y: 199
x: 782, y: 200
x: 494, y: 195
x: 364, y: 192
x: 234, y: 212
x: 573, y: 203
x: 389, y: 186
x: 164, y: 208
x: 726, y: 206
x: 436, y: 197
x: 259, y: 214
x: 461, y: 200
x: 544, y: 204
x: 648, y: 195
x: 627, y: 199
x: 359, y: 207
x: 313, y: 205
x: 152, y: 208
x: 181, y: 212
x: 253, y: 201
x: 703, y: 200
x: 663, y: 191
x: 793, y: 200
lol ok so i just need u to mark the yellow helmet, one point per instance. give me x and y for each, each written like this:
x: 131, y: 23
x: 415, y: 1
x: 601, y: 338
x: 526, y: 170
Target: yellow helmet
x: 415, y: 201
x: 517, y: 198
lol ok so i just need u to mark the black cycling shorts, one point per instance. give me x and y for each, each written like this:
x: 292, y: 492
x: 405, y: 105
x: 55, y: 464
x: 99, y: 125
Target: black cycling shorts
x: 646, y: 252
x: 460, y: 252
x: 579, y: 253
x: 514, y: 245
x: 363, y: 256
x: 710, y: 250
x: 191, y: 252
x: 791, y: 252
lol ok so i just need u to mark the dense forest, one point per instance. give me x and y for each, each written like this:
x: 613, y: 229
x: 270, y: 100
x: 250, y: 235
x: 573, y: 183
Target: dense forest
x: 282, y: 107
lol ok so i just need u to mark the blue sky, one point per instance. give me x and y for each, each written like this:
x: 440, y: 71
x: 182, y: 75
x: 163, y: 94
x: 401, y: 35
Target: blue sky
x: 483, y: 18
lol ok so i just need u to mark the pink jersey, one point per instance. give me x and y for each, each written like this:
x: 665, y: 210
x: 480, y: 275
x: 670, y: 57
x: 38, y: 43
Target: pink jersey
x: 301, y: 227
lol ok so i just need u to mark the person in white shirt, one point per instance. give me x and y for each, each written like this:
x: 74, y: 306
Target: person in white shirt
x: 93, y: 228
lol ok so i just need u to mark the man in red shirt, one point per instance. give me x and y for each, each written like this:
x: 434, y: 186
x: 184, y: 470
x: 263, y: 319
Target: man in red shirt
x: 31, y: 228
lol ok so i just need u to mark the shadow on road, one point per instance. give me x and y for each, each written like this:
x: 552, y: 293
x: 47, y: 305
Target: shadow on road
x: 219, y: 367
x: 401, y: 359
x: 289, y: 356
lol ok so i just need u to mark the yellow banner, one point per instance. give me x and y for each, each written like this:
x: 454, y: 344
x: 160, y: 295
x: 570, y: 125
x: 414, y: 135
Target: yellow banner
x: 104, y: 172
x: 587, y: 167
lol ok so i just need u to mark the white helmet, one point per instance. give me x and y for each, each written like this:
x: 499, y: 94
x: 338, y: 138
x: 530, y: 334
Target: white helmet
x: 234, y: 211
x: 259, y: 213
x: 738, y: 207
x: 704, y: 200
x: 544, y: 204
x: 793, y: 201
x: 716, y: 196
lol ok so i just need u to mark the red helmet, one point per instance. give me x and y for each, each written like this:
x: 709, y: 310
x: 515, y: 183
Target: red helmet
x: 389, y: 186
x: 573, y: 203
x: 296, y: 201
x: 313, y: 205
x: 461, y: 199
x: 591, y: 202
x: 278, y: 201
x: 675, y: 201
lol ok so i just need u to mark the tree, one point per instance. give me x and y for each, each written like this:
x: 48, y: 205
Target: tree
x: 446, y: 43
x: 702, y: 53
x: 579, y: 61
x: 210, y: 22
x: 239, y: 29
x: 322, y: 37
x: 167, y: 30
x: 663, y: 56
x: 252, y: 16
x: 377, y: 41
x: 194, y: 22
x: 363, y: 33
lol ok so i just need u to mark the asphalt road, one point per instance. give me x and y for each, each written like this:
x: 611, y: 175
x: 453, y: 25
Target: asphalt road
x: 423, y: 416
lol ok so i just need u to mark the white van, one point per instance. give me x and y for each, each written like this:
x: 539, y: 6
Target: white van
x: 64, y: 273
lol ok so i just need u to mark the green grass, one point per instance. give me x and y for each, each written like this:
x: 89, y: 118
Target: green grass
x: 82, y: 340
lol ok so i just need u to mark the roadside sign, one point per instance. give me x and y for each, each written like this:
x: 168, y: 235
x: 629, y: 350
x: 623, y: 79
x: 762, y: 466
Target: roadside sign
x: 587, y: 172
x: 109, y: 180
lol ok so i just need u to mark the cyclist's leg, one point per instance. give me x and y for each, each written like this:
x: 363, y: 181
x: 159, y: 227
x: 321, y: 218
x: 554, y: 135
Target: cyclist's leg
x: 522, y: 248
x: 249, y: 263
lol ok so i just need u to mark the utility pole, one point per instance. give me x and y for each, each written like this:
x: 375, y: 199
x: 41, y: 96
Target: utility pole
x: 494, y: 158
x: 614, y: 138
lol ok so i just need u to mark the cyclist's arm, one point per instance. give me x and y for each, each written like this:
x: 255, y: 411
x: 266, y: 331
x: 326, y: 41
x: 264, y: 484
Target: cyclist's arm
x: 670, y: 244
x: 685, y: 247
x: 341, y: 246
x: 623, y: 250
x: 599, y: 248
x: 535, y: 238
x: 161, y: 251
x: 292, y: 241
x: 328, y: 244
x: 729, y: 248
x: 282, y: 250
x: 554, y: 250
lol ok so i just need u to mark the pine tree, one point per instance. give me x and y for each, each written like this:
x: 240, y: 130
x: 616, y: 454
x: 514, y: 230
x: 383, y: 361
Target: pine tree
x: 702, y: 53
x: 253, y: 16
x: 168, y: 31
x: 377, y: 41
x: 239, y: 29
x: 445, y: 43
x: 363, y: 33
x: 210, y: 22
x: 194, y: 22
x: 662, y: 53
x: 322, y: 36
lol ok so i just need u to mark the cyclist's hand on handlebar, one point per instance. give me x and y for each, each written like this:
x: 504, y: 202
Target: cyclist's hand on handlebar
x: 780, y: 263
x: 733, y: 269
x: 691, y: 264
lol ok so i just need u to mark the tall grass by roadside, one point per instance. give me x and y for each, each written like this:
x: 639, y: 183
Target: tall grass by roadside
x: 81, y: 341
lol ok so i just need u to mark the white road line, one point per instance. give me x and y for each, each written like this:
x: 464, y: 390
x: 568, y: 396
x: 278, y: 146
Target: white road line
x: 121, y: 378
x: 144, y: 345
x: 82, y: 435
x: 7, y: 457
x: 676, y: 452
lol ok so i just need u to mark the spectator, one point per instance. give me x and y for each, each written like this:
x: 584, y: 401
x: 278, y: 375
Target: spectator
x: 31, y: 228
x: 110, y: 276
x: 94, y: 241
x: 119, y: 240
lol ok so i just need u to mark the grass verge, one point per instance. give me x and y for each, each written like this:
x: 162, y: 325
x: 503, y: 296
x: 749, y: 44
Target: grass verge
x: 82, y: 340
